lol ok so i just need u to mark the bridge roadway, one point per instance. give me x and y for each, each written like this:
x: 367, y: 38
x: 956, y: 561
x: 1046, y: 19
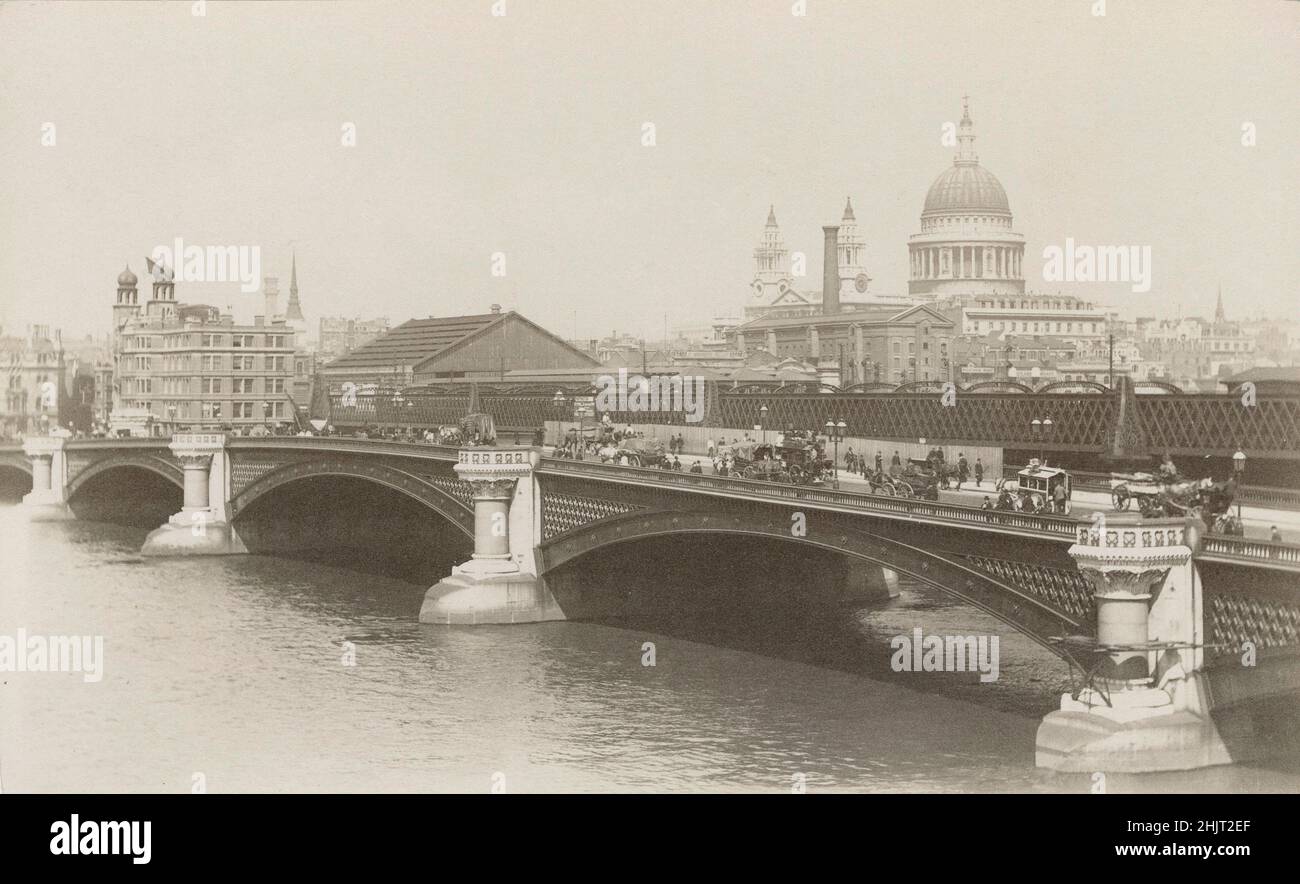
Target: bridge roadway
x: 1214, y: 548
x: 1220, y: 548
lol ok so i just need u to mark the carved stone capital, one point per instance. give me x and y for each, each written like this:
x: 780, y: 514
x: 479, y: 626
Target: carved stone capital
x: 193, y: 460
x: 490, y: 489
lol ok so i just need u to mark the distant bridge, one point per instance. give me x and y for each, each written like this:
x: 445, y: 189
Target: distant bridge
x: 1143, y: 420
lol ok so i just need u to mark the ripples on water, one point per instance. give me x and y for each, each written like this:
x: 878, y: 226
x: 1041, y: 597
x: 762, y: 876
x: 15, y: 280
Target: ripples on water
x: 232, y: 668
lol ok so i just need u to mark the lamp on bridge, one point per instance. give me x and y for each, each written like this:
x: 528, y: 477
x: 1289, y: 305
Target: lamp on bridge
x: 1042, y: 432
x: 762, y: 420
x: 171, y: 416
x: 1239, y: 473
x: 558, y: 401
x: 835, y: 432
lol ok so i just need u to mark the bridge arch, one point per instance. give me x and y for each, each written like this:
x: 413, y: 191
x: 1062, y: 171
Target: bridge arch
x: 1012, y: 605
x: 166, y: 468
x: 16, y: 460
x: 446, y: 496
x: 1074, y: 387
x: 999, y: 387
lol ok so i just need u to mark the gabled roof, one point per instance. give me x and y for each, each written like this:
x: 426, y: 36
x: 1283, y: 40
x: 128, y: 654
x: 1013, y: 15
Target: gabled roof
x: 496, y: 319
x: 416, y: 340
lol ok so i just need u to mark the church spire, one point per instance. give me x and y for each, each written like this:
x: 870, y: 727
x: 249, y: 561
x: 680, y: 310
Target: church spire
x: 965, y: 137
x: 294, y: 311
x: 1218, y: 309
x: 771, y: 216
x: 848, y: 209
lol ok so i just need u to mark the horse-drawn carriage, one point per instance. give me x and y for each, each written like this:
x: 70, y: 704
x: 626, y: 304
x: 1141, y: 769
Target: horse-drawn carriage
x: 473, y: 429
x: 1171, y: 495
x: 1038, y: 488
x: 640, y: 451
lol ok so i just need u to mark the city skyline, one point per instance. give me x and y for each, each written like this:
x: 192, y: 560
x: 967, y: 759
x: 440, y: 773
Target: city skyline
x: 457, y: 159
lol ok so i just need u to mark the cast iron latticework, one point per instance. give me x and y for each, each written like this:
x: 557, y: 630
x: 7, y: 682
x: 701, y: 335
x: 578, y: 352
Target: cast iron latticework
x: 1232, y: 619
x: 998, y: 418
x: 1084, y: 421
x: 1067, y: 591
x: 563, y: 512
x: 1193, y: 424
x: 457, y: 488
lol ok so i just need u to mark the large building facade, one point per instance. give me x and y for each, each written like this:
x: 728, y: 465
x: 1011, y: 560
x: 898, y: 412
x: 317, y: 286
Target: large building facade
x: 189, y: 366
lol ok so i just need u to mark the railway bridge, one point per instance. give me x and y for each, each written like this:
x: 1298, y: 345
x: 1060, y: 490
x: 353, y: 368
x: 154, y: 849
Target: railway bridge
x: 1179, y: 638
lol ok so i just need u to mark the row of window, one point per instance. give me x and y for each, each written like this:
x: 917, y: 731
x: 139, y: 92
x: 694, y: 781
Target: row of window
x: 185, y: 386
x: 1051, y: 304
x: 187, y: 341
x: 1046, y: 327
x: 211, y: 362
x: 188, y: 411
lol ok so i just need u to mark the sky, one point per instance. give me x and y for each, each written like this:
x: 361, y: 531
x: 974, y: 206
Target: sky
x: 524, y: 134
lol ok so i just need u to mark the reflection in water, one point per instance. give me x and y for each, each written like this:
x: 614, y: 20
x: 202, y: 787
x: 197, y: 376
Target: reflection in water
x: 233, y: 668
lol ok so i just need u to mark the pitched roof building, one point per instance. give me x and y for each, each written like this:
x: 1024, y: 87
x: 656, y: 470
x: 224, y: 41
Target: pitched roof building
x: 482, y: 346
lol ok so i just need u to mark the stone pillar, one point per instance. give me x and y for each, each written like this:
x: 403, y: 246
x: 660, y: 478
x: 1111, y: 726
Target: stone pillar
x: 499, y: 584
x: 47, y: 501
x: 771, y: 341
x: 814, y: 343
x: 1147, y: 707
x: 202, y: 527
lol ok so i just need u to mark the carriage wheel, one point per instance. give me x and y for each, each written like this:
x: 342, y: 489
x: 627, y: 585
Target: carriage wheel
x: 634, y: 460
x: 905, y: 490
x: 1120, y: 499
x: 796, y: 475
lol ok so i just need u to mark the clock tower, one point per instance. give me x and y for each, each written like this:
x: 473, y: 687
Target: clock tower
x: 852, y: 254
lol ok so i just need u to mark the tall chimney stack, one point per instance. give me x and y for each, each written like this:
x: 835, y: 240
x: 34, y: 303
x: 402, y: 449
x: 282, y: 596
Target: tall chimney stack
x: 831, y: 272
x: 271, y: 293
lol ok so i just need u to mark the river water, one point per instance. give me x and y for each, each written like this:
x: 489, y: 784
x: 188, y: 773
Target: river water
x: 231, y: 672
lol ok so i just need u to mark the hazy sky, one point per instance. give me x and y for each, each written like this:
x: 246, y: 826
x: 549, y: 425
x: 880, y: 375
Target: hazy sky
x: 523, y: 134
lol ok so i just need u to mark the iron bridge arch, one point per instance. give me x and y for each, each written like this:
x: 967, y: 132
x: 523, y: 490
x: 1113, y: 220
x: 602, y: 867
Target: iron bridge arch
x: 451, y: 503
x: 1011, y: 605
x: 168, y: 469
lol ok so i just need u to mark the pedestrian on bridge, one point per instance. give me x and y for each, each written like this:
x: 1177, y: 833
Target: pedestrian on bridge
x: 979, y: 472
x: 1275, y: 536
x: 963, y: 470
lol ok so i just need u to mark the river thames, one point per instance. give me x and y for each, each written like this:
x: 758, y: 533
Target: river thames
x: 233, y: 672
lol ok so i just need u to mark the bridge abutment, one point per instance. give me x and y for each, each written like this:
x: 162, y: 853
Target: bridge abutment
x: 1145, y: 706
x: 202, y: 527
x: 48, y: 499
x: 500, y: 583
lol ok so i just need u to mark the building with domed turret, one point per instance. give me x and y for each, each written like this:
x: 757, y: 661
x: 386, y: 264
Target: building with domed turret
x: 967, y: 242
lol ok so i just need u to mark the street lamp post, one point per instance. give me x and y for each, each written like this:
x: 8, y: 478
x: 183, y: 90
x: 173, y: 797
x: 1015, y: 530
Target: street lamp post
x: 262, y: 404
x: 1042, y: 432
x: 171, y: 415
x: 558, y: 399
x: 1239, y: 472
x: 762, y: 421
x: 835, y: 431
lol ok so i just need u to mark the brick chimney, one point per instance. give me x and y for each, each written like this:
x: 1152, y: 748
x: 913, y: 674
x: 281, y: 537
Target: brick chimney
x: 831, y: 272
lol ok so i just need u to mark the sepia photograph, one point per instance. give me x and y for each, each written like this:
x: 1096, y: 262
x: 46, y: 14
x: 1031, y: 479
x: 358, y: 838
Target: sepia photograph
x: 891, y: 401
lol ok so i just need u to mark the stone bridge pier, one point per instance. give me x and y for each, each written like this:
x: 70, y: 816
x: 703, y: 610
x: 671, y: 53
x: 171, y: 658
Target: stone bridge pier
x: 48, y: 500
x: 500, y: 583
x: 202, y: 527
x: 1147, y: 704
